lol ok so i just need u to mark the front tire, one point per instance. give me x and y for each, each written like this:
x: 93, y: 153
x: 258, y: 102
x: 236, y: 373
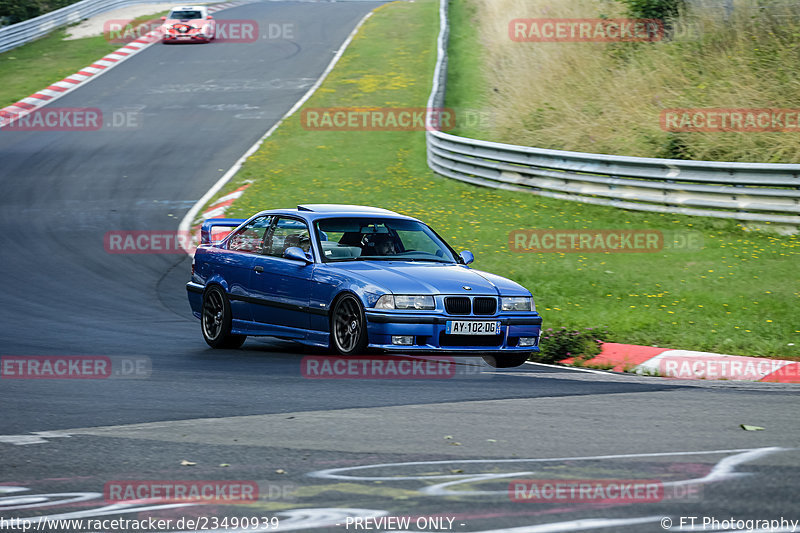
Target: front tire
x: 510, y: 360
x: 215, y: 320
x: 348, y: 326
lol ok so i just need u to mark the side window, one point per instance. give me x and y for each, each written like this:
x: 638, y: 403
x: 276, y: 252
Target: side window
x: 287, y: 232
x: 251, y: 237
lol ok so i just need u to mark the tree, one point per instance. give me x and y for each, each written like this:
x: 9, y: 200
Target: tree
x: 13, y: 11
x: 654, y: 9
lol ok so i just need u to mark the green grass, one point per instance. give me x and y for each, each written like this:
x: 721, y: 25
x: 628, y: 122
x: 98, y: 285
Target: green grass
x: 467, y: 88
x: 737, y: 295
x: 608, y: 97
x: 38, y: 64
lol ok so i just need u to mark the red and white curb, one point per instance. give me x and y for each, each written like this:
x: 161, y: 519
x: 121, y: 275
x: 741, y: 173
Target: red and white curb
x: 686, y: 364
x: 216, y: 210
x: 17, y: 110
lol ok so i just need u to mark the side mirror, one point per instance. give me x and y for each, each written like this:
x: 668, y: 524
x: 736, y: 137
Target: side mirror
x: 296, y: 253
x: 163, y: 18
x: 467, y: 257
x: 209, y: 17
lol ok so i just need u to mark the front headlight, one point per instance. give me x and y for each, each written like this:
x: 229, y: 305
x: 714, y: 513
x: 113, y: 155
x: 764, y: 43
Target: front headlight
x: 385, y: 302
x: 516, y: 303
x: 420, y: 302
x: 414, y: 302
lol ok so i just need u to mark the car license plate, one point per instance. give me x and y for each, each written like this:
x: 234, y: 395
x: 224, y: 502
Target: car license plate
x: 471, y: 327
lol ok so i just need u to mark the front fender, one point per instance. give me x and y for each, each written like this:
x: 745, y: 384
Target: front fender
x: 329, y: 285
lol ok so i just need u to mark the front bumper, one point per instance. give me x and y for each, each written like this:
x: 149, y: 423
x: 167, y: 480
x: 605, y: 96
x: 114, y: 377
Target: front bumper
x: 184, y: 37
x: 429, y: 332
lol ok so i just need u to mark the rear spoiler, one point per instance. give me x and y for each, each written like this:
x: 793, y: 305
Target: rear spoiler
x: 211, y: 223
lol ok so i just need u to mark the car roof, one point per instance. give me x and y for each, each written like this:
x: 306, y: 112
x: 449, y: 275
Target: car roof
x: 181, y: 8
x: 317, y: 211
x: 339, y: 208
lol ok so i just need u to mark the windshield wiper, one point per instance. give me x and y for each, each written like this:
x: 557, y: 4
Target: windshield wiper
x: 406, y: 259
x: 429, y: 260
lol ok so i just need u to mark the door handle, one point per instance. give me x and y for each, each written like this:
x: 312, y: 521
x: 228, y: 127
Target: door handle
x: 258, y: 269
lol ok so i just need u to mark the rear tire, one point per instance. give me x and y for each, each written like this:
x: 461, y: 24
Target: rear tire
x: 506, y: 360
x: 348, y: 326
x: 215, y: 320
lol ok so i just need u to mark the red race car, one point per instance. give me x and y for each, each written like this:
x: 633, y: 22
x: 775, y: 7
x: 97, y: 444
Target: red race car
x: 188, y: 24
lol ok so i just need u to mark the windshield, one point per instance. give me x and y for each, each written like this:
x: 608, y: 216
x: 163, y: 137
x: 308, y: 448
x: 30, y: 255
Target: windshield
x: 184, y: 15
x: 380, y: 239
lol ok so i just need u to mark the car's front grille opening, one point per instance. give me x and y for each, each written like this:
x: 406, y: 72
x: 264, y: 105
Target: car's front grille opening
x: 469, y: 340
x: 484, y: 306
x: 457, y: 305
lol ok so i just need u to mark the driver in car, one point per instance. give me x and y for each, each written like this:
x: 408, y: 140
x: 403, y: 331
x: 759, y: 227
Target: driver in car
x: 379, y: 244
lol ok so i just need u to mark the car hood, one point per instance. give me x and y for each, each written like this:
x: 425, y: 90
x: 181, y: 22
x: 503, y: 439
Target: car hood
x: 402, y: 277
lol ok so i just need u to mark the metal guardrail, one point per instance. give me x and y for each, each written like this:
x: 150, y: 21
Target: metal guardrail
x: 29, y: 30
x: 756, y: 192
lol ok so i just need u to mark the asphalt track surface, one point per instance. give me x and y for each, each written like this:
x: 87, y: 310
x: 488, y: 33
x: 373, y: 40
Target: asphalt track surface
x: 61, y: 441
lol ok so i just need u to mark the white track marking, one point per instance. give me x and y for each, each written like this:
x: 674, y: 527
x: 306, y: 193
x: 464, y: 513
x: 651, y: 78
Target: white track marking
x: 582, y: 524
x: 117, y: 508
x: 441, y: 489
x: 11, y: 490
x: 39, y: 437
x: 332, y: 473
x: 723, y: 470
x: 573, y: 368
x: 31, y: 501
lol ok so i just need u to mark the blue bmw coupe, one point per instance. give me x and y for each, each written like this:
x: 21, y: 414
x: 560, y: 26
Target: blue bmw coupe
x: 351, y: 279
